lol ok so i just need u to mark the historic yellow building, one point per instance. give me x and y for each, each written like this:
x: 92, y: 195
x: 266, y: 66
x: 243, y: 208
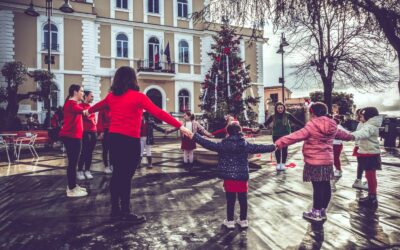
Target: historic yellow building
x: 89, y: 44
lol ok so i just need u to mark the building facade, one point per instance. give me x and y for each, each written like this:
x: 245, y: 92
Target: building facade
x: 102, y: 35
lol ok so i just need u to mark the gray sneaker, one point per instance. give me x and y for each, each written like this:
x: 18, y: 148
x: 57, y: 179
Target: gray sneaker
x: 313, y: 215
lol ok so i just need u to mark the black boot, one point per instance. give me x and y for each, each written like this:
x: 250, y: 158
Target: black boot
x: 115, y: 212
x: 149, y: 162
x: 133, y: 218
x: 370, y: 202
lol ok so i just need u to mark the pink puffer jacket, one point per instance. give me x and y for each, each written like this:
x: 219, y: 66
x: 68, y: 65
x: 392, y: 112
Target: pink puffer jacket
x: 318, y: 135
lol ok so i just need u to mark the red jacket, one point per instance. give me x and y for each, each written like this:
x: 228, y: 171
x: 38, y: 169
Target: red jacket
x: 89, y: 122
x: 73, y: 124
x: 318, y: 135
x: 126, y: 112
x: 103, y: 120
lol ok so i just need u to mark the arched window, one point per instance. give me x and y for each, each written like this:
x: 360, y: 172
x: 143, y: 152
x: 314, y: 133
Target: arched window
x: 183, y: 51
x: 122, y: 46
x: 154, y: 52
x: 53, y: 37
x: 183, y: 8
x: 153, y: 6
x: 183, y: 97
x: 122, y: 4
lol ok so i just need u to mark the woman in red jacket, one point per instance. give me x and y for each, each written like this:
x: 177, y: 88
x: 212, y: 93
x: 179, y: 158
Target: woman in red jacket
x: 126, y: 105
x: 89, y: 139
x: 71, y: 135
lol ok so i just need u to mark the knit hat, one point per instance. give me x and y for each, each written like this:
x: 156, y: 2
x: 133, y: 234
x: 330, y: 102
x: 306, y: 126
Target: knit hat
x: 369, y: 112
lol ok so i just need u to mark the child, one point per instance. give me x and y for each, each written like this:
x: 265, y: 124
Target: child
x: 281, y: 127
x: 103, y: 127
x: 358, y: 182
x: 187, y: 144
x: 89, y: 139
x: 318, y: 135
x: 147, y: 137
x: 369, y: 152
x: 233, y: 169
x: 337, y: 148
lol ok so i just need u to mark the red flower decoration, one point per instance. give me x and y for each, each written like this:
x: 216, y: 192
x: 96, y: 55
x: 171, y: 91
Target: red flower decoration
x: 227, y: 50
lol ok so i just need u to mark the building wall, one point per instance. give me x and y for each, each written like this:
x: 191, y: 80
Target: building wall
x: 73, y: 44
x: 88, y: 48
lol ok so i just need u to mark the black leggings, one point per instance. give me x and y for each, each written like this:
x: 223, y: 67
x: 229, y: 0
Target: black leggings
x: 125, y: 155
x: 278, y: 153
x: 322, y: 194
x: 231, y: 200
x: 360, y: 169
x: 73, y: 147
x: 88, y: 144
x: 106, y: 148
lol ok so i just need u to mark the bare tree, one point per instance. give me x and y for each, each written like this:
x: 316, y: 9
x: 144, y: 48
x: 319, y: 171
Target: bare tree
x: 335, y: 43
x: 383, y: 19
x: 335, y: 46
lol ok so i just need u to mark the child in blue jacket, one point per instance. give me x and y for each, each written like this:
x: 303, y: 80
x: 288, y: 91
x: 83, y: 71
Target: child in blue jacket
x: 233, y: 168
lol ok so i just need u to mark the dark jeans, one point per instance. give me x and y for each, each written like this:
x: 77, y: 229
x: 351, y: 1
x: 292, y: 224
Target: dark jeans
x: 281, y: 152
x: 106, y: 148
x: 231, y: 200
x: 322, y: 194
x: 88, y: 143
x: 73, y: 147
x: 125, y: 155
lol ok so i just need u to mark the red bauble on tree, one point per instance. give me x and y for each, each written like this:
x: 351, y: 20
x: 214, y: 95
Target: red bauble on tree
x: 227, y: 50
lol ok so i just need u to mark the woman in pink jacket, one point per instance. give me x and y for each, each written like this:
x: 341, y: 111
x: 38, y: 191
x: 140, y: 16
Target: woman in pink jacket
x: 318, y: 135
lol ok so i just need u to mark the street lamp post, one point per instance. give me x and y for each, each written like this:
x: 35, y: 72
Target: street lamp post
x: 30, y: 11
x: 283, y: 44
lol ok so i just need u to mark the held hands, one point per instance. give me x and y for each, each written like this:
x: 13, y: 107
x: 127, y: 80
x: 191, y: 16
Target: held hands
x: 86, y: 112
x: 186, y: 132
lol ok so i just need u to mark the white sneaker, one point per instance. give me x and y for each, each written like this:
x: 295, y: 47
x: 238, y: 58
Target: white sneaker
x: 76, y: 192
x: 360, y: 185
x: 88, y: 175
x: 338, y: 173
x: 278, y: 167
x: 81, y: 188
x: 80, y: 175
x: 243, y: 223
x: 229, y: 224
x: 108, y: 170
x: 283, y: 166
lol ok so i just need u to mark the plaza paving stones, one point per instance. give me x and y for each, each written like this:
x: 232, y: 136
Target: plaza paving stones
x: 185, y: 210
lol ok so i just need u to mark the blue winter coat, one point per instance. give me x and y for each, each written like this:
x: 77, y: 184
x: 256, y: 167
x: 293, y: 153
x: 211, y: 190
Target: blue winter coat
x: 233, y: 152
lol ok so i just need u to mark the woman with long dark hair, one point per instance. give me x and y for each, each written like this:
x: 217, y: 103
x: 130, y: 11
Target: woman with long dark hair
x: 71, y: 135
x: 89, y: 139
x: 281, y: 127
x: 126, y: 105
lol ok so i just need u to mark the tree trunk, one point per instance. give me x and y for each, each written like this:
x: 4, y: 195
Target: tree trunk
x: 328, y: 94
x: 12, y: 108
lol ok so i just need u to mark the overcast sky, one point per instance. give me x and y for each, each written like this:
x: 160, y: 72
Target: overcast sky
x: 388, y: 100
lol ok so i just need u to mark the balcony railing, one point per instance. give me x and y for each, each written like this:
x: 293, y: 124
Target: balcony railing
x: 54, y: 46
x: 151, y: 66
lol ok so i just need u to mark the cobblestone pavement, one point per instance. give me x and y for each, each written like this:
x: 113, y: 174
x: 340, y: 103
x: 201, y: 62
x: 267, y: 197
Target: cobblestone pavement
x: 185, y: 209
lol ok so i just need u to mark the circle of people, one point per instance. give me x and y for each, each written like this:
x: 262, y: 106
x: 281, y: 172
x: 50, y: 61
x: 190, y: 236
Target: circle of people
x: 127, y: 132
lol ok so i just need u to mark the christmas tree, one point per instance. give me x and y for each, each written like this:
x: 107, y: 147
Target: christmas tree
x: 225, y: 84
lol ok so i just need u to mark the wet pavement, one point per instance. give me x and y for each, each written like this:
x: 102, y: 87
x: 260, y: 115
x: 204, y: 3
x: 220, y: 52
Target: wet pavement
x: 185, y: 209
